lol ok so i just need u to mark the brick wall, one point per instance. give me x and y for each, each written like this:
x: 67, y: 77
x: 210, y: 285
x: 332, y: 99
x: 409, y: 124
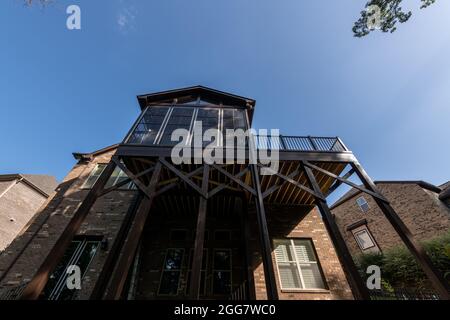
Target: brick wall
x: 18, y: 204
x: 29, y: 250
x: 420, y: 209
x: 297, y: 222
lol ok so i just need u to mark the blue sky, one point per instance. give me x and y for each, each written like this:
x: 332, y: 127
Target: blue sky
x: 387, y: 95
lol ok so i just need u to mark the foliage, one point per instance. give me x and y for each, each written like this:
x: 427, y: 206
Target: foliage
x: 391, y: 13
x: 399, y: 269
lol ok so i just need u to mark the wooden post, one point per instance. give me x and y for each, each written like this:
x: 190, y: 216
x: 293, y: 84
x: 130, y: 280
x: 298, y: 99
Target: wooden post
x: 37, y: 284
x: 359, y: 289
x: 125, y: 260
x: 269, y: 274
x: 433, y: 274
x: 196, y: 269
x: 241, y: 207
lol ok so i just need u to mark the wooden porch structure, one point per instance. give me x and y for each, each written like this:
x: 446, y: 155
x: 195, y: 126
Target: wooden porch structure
x: 310, y: 169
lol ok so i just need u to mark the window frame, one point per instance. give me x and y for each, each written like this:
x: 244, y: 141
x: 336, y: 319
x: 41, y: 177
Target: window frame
x: 74, y: 259
x: 202, y: 270
x: 163, y: 269
x: 355, y: 236
x: 299, y: 270
x: 213, y: 270
x: 361, y: 205
x: 130, y: 186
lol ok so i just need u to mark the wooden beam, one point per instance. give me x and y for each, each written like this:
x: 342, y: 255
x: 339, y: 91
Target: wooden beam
x: 338, y: 183
x: 359, y: 289
x: 274, y: 188
x: 132, y: 176
x: 365, y: 190
x: 297, y: 184
x: 434, y: 275
x: 125, y: 260
x: 37, y: 284
x: 183, y: 177
x: 238, y: 181
x: 269, y: 274
x: 225, y: 185
x: 197, y: 260
x: 174, y: 184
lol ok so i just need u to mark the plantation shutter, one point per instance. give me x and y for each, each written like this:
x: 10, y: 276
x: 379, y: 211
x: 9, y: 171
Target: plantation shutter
x: 289, y: 276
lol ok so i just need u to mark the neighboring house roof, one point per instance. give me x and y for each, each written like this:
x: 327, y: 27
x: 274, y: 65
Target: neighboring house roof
x: 90, y: 155
x: 353, y: 192
x: 445, y: 194
x: 44, y: 184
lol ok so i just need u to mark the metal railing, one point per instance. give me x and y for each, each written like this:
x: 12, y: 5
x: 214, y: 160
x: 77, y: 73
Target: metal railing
x: 296, y: 143
x: 402, y: 294
x: 240, y: 293
x: 12, y: 293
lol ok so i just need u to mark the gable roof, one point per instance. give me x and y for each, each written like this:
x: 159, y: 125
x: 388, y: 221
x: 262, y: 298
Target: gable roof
x: 42, y: 183
x: 90, y: 155
x: 195, y: 91
x: 445, y: 194
x: 353, y: 192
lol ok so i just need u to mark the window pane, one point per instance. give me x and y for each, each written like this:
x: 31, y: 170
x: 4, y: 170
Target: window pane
x: 304, y: 250
x: 94, y: 175
x: 174, y: 259
x: 222, y: 260
x: 289, y: 277
x: 169, y: 282
x: 364, y: 239
x: 283, y: 250
x: 362, y: 203
x: 147, y: 129
x: 179, y: 119
x: 222, y: 282
x: 311, y: 276
x: 209, y: 119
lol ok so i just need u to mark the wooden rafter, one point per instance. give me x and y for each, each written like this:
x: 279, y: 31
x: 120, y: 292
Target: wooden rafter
x: 354, y: 185
x: 226, y: 185
x: 175, y: 183
x: 274, y: 188
x: 339, y: 182
x: 238, y: 181
x: 183, y: 177
x: 292, y: 181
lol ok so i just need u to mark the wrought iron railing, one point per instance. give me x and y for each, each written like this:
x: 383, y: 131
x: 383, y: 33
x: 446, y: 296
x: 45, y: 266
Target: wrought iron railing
x: 296, y: 143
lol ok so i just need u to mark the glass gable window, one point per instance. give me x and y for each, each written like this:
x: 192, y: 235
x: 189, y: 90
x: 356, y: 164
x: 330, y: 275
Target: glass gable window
x: 297, y: 264
x: 158, y: 122
x: 180, y: 118
x: 170, y: 276
x: 80, y: 253
x: 147, y: 130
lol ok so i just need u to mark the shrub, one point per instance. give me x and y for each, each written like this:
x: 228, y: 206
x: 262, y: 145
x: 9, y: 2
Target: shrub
x: 399, y: 269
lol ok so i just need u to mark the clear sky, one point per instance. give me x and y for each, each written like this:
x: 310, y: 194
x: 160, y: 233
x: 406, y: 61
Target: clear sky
x: 386, y: 95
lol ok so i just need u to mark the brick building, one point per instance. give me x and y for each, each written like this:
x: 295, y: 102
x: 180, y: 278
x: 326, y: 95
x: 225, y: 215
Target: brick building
x: 140, y: 225
x: 21, y: 195
x: 421, y: 205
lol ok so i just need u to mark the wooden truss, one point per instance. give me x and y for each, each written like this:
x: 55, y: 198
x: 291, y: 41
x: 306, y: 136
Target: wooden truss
x: 112, y: 280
